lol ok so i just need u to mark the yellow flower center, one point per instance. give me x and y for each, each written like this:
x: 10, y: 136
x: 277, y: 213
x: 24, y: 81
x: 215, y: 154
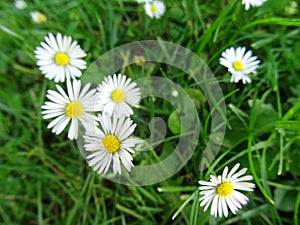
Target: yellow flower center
x: 238, y: 65
x: 111, y: 143
x: 139, y: 60
x: 74, y: 109
x: 224, y: 189
x: 118, y: 96
x: 62, y: 59
x: 153, y: 9
x: 41, y: 18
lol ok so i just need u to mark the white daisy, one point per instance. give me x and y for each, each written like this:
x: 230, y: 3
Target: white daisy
x: 59, y: 58
x: 75, y: 106
x: 117, y: 94
x: 155, y: 9
x: 175, y: 93
x: 38, y: 17
x: 221, y: 191
x: 144, y: 1
x: 111, y: 144
x: 20, y: 4
x: 239, y: 63
x: 254, y: 3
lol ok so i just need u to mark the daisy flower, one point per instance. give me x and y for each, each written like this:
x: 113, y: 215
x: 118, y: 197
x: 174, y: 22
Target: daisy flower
x: 239, y: 63
x: 111, y: 145
x: 221, y: 191
x: 117, y: 94
x: 20, y: 4
x: 175, y: 93
x: 59, y: 58
x: 254, y: 3
x: 38, y: 17
x: 139, y: 60
x: 74, y: 106
x: 155, y: 9
x: 144, y: 1
x: 292, y: 8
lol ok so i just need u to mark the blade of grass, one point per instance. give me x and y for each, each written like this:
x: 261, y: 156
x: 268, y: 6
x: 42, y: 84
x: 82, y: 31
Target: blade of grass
x: 131, y: 212
x: 274, y: 20
x: 176, y: 188
x: 39, y: 203
x: 194, y: 210
x: 296, y: 211
x: 183, y: 205
x: 209, y: 32
x: 252, y: 168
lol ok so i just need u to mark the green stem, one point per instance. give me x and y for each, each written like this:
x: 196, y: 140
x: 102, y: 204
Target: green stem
x: 279, y: 109
x: 252, y: 168
x: 296, y: 215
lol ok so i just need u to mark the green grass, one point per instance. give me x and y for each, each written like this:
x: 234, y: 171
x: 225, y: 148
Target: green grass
x: 45, y: 180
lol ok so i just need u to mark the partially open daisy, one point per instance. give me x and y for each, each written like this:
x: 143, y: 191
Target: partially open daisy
x: 155, y: 9
x: 239, y: 63
x: 139, y: 60
x: 38, y: 17
x: 111, y: 144
x: 20, y: 4
x: 76, y: 106
x: 254, y: 3
x: 59, y: 58
x: 221, y: 191
x: 117, y: 94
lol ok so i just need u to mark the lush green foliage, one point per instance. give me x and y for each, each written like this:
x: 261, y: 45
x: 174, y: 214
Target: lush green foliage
x: 43, y: 177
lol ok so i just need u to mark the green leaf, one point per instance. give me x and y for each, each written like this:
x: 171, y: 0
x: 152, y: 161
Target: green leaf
x: 285, y: 199
x: 235, y: 136
x: 197, y: 96
x: 174, y: 123
x: 264, y: 115
x: 295, y: 162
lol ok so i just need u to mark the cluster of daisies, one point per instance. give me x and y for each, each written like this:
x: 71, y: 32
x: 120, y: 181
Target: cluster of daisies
x: 222, y: 192
x: 156, y: 8
x: 108, y: 136
x: 36, y: 16
x: 102, y: 113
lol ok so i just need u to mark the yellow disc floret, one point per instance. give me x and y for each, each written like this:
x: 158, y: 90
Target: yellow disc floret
x: 41, y: 18
x: 153, y: 8
x: 139, y: 60
x: 111, y: 143
x: 74, y: 109
x: 118, y: 96
x: 61, y: 59
x: 224, y: 189
x: 238, y: 65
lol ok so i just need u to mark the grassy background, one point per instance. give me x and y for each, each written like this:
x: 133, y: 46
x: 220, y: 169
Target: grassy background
x: 43, y: 177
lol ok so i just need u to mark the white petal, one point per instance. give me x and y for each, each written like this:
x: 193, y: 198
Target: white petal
x: 214, y: 206
x: 116, y: 164
x: 73, y: 130
x: 232, y: 171
x: 61, y: 125
x: 224, y: 207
